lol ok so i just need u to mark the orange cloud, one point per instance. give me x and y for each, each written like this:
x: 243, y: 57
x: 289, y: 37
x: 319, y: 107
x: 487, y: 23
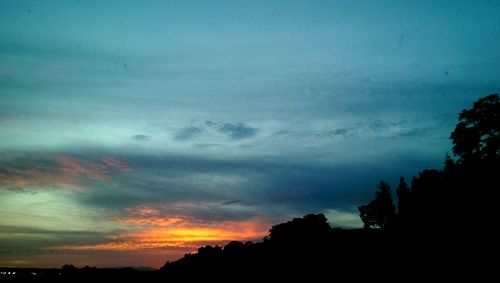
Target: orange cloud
x: 36, y: 177
x: 188, y: 236
x: 143, y: 210
x: 148, y: 215
x: 66, y: 172
x: 197, y: 234
x: 158, y: 221
x: 73, y: 167
x: 152, y: 231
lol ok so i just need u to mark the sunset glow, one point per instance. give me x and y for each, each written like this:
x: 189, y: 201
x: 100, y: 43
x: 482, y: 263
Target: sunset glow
x: 180, y: 234
x: 132, y: 132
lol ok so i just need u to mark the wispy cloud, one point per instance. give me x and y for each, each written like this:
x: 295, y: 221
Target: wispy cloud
x: 59, y: 171
x: 188, y: 133
x: 212, y: 129
x: 70, y: 166
x: 235, y: 131
x: 140, y: 137
x: 116, y: 163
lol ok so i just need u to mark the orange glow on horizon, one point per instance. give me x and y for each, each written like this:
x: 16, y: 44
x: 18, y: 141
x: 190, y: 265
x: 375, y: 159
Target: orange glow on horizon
x: 185, y: 235
x: 158, y: 221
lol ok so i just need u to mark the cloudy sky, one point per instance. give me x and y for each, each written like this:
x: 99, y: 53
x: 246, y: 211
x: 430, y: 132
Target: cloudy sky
x: 133, y: 131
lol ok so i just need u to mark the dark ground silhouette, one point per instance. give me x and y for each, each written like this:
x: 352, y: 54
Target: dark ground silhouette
x: 443, y: 229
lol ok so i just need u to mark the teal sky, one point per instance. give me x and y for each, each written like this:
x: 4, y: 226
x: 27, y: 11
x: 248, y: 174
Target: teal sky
x: 133, y: 131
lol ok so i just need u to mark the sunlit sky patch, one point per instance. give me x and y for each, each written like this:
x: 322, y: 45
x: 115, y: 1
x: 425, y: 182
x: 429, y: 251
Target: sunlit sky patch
x: 134, y: 132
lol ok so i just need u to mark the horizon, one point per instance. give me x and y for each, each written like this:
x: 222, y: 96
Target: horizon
x: 134, y: 133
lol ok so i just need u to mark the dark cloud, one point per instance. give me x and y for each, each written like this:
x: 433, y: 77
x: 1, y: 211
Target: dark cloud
x: 209, y: 145
x: 235, y: 131
x: 188, y: 133
x: 141, y: 137
x: 238, y: 202
x: 230, y: 202
x: 221, y: 185
x: 336, y: 132
x: 36, y: 238
x: 341, y: 131
x: 26, y: 172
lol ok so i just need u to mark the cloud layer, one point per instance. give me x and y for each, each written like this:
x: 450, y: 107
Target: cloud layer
x: 132, y: 133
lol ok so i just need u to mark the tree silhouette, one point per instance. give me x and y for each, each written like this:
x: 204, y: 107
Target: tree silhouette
x: 404, y: 200
x: 477, y: 135
x: 380, y: 212
x: 303, y: 229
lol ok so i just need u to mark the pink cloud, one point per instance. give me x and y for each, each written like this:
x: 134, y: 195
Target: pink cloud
x: 77, y: 168
x: 67, y: 171
x: 113, y: 162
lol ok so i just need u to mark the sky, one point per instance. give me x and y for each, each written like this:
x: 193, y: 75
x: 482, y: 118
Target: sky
x: 132, y: 132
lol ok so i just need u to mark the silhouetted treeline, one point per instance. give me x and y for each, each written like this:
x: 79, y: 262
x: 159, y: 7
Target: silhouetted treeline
x: 461, y: 195
x: 305, y: 246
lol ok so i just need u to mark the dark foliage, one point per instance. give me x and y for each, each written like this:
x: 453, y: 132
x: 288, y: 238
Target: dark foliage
x: 460, y: 195
x: 404, y: 199
x: 380, y: 212
x: 306, y: 246
x: 477, y: 135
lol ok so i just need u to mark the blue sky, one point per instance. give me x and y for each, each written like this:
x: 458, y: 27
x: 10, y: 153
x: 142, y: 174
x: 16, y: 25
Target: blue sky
x: 127, y: 125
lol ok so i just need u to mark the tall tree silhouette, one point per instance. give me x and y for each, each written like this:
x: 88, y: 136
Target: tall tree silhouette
x: 477, y: 135
x: 404, y: 199
x: 380, y: 212
x: 474, y: 178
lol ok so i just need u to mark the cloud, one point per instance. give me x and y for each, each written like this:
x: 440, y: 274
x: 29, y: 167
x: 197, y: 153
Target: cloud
x: 152, y: 229
x: 188, y: 133
x: 190, y: 237
x: 178, y: 202
x: 341, y: 131
x: 141, y: 137
x: 236, y: 131
x: 208, y: 182
x: 116, y: 163
x: 70, y: 166
x: 230, y: 202
x: 335, y: 132
x: 40, y: 231
x: 214, y: 131
x: 56, y: 171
